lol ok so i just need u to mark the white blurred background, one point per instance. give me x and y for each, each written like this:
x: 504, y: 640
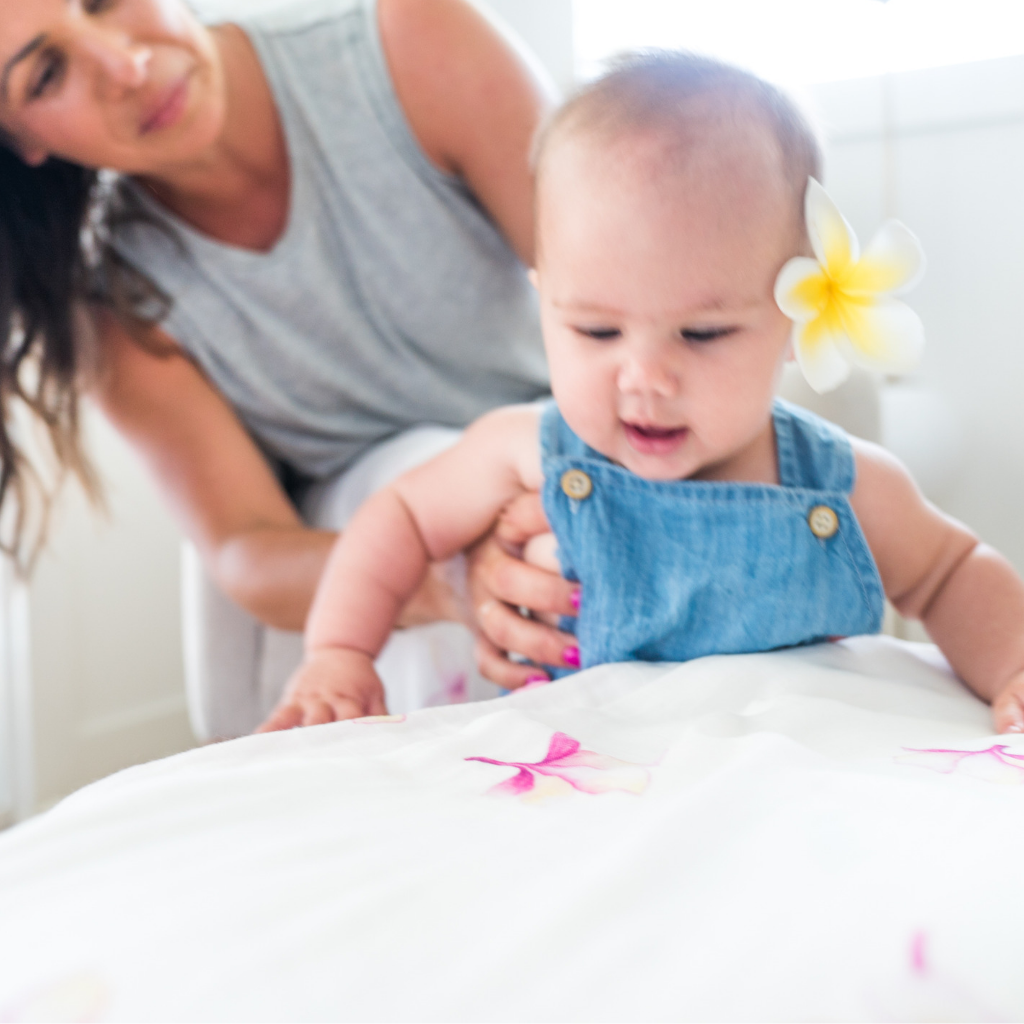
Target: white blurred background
x: 922, y: 102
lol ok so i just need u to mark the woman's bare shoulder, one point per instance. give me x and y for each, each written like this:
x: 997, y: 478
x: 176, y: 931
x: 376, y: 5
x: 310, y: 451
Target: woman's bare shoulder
x: 451, y: 65
x: 472, y: 99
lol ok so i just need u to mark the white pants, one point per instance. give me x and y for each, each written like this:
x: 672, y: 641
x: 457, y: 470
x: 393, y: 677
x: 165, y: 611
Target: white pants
x: 236, y: 668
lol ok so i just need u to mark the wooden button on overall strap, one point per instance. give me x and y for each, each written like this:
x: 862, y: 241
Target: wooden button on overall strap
x: 823, y: 521
x: 576, y: 484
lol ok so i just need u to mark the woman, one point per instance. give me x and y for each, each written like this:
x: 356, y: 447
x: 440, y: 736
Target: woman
x: 324, y: 208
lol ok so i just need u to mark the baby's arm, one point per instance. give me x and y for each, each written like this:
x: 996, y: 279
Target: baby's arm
x: 428, y: 514
x: 967, y: 595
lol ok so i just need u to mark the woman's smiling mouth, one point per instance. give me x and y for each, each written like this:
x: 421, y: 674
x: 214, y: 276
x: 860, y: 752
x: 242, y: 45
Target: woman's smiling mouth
x: 649, y: 440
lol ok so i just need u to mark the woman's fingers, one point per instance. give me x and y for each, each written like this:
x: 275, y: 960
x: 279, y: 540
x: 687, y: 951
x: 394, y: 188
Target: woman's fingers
x: 507, y: 630
x: 493, y: 573
x: 495, y: 666
x: 521, y: 519
x: 500, y: 583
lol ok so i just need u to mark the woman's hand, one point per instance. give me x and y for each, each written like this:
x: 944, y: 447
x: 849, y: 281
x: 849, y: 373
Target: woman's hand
x: 331, y: 685
x: 500, y: 583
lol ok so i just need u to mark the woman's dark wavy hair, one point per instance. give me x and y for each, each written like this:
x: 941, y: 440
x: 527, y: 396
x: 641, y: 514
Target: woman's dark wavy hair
x: 42, y: 212
x: 53, y: 262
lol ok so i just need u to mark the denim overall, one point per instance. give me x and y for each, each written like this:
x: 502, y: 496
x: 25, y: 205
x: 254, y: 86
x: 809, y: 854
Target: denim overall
x: 673, y: 570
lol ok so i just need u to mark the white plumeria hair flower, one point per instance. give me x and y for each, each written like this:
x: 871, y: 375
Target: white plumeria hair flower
x: 842, y: 302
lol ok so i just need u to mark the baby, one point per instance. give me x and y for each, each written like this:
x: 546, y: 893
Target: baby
x: 700, y: 514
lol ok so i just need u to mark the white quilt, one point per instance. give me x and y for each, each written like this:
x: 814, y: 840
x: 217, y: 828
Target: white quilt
x: 826, y: 833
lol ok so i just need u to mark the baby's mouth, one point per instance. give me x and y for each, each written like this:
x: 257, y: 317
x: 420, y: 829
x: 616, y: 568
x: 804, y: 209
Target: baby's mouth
x: 650, y: 440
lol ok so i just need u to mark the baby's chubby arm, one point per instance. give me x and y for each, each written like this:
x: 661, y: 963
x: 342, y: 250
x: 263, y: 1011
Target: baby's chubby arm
x: 426, y: 515
x: 933, y: 568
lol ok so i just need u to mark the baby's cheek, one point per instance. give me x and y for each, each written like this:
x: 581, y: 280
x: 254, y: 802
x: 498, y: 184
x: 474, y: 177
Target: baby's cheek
x: 542, y: 551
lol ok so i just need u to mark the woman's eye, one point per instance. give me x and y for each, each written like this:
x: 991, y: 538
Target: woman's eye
x: 599, y: 333
x: 710, y: 334
x: 48, y: 74
x: 95, y: 6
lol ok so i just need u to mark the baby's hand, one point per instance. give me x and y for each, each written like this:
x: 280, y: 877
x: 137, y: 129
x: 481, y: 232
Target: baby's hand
x: 1008, y: 707
x: 331, y: 684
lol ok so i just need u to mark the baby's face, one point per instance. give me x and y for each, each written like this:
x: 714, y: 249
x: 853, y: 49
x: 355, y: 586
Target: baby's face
x: 662, y: 333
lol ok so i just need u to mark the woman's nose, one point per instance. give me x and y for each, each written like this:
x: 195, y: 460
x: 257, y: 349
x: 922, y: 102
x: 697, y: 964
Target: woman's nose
x: 122, y: 62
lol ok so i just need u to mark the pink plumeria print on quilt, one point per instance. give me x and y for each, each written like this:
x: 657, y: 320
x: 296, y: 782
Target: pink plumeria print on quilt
x: 994, y: 764
x: 566, y: 767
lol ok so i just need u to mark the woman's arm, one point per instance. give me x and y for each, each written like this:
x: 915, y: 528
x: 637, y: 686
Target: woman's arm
x: 218, y: 484
x: 253, y: 543
x: 220, y: 488
x: 501, y: 583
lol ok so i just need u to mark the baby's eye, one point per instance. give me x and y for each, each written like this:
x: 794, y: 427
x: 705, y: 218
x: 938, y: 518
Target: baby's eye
x: 709, y: 334
x: 599, y: 333
x: 49, y: 71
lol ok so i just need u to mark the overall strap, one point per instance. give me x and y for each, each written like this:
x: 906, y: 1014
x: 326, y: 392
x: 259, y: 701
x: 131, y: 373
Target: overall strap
x: 813, y: 453
x: 557, y: 440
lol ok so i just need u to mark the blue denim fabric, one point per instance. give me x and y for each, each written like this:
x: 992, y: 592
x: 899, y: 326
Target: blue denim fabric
x: 673, y: 570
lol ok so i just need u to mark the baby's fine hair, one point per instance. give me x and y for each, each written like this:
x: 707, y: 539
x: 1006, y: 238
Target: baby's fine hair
x: 683, y: 95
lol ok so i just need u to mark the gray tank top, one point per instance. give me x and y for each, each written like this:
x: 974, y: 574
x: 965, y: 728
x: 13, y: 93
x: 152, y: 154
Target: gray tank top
x: 390, y: 300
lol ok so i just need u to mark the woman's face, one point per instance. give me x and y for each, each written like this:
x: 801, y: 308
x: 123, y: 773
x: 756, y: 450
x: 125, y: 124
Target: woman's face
x: 134, y: 85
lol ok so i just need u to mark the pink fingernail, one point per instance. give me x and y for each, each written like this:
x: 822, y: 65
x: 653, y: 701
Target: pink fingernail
x: 575, y: 598
x: 571, y: 656
x: 537, y: 677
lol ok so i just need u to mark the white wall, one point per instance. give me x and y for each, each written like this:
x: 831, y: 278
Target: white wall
x: 943, y: 150
x: 16, y: 748
x: 546, y: 28
x: 106, y: 662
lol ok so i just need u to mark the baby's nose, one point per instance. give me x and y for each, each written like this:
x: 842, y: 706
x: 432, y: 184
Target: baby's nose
x: 648, y: 375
